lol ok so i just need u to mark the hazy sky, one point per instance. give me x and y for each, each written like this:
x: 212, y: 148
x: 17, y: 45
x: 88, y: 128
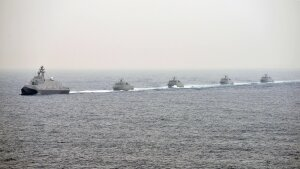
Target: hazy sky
x: 150, y: 34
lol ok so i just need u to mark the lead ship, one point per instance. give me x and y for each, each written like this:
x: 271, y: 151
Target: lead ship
x: 175, y: 83
x: 226, y: 80
x: 122, y: 85
x: 266, y: 79
x: 40, y: 85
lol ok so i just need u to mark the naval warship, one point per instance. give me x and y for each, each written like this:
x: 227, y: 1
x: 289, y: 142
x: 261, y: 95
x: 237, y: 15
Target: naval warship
x: 40, y: 85
x: 122, y: 85
x: 266, y: 79
x: 226, y: 80
x: 175, y: 83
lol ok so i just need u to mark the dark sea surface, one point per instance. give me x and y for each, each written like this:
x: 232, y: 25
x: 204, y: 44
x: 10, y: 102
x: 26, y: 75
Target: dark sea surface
x: 204, y: 125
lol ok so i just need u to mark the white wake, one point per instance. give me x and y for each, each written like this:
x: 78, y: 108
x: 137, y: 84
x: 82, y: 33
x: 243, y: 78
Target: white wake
x: 92, y: 91
x: 188, y: 86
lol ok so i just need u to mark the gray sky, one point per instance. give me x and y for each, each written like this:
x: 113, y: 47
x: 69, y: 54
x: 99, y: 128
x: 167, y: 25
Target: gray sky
x: 150, y: 34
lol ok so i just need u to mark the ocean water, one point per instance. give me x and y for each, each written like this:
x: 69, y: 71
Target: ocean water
x: 204, y: 125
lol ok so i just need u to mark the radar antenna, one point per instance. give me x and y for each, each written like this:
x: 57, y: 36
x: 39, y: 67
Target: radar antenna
x: 41, y: 71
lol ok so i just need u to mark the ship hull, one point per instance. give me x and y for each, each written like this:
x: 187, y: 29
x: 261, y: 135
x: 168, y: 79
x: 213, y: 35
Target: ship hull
x: 32, y: 90
x: 47, y: 92
x: 125, y: 88
x: 28, y: 91
x: 266, y: 81
x: 226, y: 83
x: 175, y: 85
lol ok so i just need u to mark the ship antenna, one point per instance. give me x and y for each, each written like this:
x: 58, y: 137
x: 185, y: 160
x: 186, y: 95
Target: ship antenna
x: 42, y: 71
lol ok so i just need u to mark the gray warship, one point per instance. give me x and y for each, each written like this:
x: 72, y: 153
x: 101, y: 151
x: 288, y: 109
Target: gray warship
x: 40, y: 85
x: 266, y: 79
x: 226, y: 80
x: 175, y: 83
x: 122, y: 85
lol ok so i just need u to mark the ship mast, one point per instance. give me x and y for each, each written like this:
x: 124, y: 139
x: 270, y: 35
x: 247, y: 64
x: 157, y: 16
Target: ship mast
x: 41, y: 71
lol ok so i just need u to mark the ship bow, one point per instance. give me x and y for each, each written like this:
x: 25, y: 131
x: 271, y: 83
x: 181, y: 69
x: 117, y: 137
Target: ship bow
x: 28, y: 91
